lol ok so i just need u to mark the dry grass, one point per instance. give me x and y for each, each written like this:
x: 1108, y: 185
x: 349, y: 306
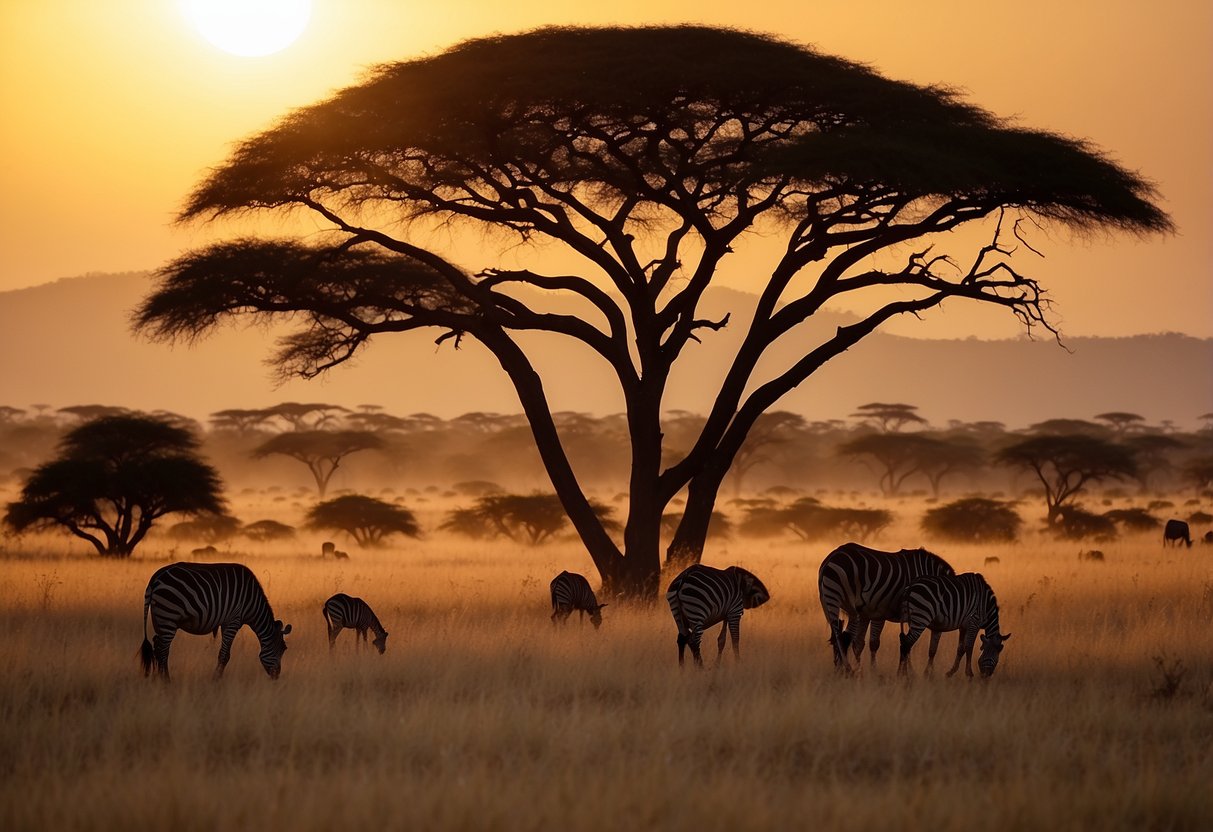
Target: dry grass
x: 482, y: 716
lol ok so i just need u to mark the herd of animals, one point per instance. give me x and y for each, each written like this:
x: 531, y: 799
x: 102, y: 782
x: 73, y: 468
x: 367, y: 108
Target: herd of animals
x: 913, y: 587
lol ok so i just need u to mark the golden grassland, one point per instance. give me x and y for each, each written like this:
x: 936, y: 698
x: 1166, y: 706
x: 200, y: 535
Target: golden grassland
x: 482, y: 715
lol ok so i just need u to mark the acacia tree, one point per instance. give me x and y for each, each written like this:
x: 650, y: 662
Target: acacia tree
x: 113, y: 479
x: 647, y: 154
x: 1067, y: 464
x: 888, y: 418
x: 320, y: 450
x: 368, y: 520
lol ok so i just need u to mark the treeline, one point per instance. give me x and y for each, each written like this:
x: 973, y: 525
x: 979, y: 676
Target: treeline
x: 792, y: 477
x: 886, y: 448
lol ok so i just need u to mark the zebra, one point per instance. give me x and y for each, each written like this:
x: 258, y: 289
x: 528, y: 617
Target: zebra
x: 702, y: 596
x: 202, y: 597
x: 342, y: 611
x: 867, y: 584
x: 953, y: 602
x: 571, y: 591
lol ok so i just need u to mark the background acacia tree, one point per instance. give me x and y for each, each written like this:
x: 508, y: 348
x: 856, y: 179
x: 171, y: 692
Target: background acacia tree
x: 647, y: 154
x: 320, y: 450
x: 1066, y: 465
x: 368, y: 520
x: 113, y: 478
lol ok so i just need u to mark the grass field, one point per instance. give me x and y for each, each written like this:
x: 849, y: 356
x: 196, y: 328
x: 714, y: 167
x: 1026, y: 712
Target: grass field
x: 482, y: 715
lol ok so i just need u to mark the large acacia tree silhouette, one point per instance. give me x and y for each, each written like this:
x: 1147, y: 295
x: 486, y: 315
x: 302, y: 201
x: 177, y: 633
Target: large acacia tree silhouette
x: 647, y: 152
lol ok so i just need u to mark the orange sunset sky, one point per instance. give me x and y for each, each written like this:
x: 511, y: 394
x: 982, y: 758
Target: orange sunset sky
x: 113, y: 110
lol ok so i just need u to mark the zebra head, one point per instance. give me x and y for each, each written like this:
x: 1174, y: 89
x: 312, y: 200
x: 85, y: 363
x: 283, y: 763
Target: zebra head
x: 380, y: 642
x: 272, y: 649
x: 991, y: 647
x: 596, y: 616
x: 753, y: 592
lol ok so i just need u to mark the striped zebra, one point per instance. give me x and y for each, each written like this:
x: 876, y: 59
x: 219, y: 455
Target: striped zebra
x: 342, y: 611
x: 953, y: 602
x: 571, y: 591
x: 867, y: 585
x: 202, y: 597
x: 702, y: 596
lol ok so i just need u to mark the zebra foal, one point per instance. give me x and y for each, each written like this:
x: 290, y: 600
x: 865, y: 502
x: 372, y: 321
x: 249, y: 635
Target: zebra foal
x: 867, y: 584
x: 702, y: 596
x: 953, y: 602
x: 201, y: 598
x: 571, y: 591
x: 341, y: 612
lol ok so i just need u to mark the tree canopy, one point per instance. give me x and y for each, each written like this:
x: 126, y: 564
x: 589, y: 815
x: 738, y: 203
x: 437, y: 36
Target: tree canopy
x: 648, y: 153
x: 368, y: 520
x: 113, y: 478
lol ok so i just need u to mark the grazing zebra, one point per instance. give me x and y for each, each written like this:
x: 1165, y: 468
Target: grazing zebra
x: 702, y: 596
x: 202, y: 597
x: 867, y: 584
x: 342, y: 611
x: 953, y: 602
x: 571, y: 591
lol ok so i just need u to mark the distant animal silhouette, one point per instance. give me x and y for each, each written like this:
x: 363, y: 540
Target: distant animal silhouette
x: 993, y: 560
x: 867, y: 585
x: 571, y: 591
x: 1093, y: 554
x: 953, y: 602
x: 200, y: 597
x: 328, y: 548
x: 702, y: 596
x: 1175, y: 531
x: 343, y: 612
x: 1208, y: 538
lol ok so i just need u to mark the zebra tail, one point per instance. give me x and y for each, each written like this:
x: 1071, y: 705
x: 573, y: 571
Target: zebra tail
x: 146, y: 654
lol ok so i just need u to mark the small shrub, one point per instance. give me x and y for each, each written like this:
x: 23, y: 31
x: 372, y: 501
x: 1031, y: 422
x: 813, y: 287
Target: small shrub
x: 1133, y: 519
x: 973, y: 520
x: 1200, y: 518
x: 1080, y: 524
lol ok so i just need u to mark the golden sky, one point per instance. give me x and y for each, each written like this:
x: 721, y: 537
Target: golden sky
x: 111, y: 112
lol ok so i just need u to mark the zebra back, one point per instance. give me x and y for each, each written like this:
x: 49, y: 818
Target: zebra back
x: 947, y: 602
x: 870, y: 583
x: 202, y: 597
x: 701, y: 596
x: 342, y: 611
x: 571, y: 591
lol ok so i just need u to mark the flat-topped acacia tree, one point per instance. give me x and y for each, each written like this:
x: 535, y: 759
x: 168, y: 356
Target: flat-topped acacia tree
x: 647, y: 153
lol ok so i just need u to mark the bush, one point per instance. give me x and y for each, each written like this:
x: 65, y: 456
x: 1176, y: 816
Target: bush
x: 973, y: 520
x: 1133, y: 519
x: 1080, y: 524
x: 264, y: 531
x: 209, y: 528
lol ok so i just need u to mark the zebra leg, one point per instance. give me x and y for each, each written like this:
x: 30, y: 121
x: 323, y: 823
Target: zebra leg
x: 936, y: 635
x: 724, y: 634
x: 874, y: 640
x: 735, y: 631
x: 908, y: 640
x: 682, y: 647
x: 960, y: 651
x: 225, y: 649
x: 161, y: 642
x: 857, y: 627
x: 693, y: 640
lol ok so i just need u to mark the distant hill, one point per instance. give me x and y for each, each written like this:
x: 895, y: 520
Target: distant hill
x: 68, y: 342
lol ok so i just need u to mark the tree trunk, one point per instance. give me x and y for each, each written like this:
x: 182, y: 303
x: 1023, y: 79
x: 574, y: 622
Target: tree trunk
x: 686, y: 549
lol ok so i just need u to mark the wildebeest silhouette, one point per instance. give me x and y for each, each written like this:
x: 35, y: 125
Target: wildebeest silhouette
x: 1175, y: 531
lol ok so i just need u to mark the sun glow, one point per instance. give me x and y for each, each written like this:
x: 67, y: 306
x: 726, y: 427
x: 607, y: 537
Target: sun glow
x: 250, y: 28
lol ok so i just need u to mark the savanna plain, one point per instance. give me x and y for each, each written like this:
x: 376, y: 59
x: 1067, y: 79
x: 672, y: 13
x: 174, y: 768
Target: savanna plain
x: 484, y: 715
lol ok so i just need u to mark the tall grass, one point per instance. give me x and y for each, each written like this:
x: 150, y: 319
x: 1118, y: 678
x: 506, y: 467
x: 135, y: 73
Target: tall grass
x: 482, y: 715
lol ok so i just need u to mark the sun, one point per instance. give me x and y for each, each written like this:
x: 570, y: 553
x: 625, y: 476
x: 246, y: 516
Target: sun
x: 250, y: 28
